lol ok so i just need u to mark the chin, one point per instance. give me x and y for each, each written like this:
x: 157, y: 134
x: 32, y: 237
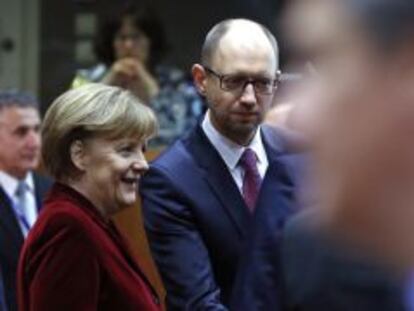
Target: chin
x: 244, y: 129
x: 129, y: 200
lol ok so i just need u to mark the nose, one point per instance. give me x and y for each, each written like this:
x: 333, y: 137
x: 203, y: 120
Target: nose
x: 248, y: 97
x: 33, y: 139
x: 140, y: 164
x: 129, y: 43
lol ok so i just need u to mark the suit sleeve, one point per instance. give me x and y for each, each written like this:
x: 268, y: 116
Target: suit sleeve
x: 64, y: 273
x: 177, y: 247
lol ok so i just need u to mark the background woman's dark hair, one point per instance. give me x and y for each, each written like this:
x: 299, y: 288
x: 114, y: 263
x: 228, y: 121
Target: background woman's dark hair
x: 145, y: 19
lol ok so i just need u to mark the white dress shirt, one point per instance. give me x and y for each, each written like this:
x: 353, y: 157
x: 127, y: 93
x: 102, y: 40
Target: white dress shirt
x: 9, y: 185
x: 231, y: 152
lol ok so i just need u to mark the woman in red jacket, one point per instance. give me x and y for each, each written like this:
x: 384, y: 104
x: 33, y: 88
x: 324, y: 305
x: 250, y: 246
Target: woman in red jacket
x: 74, y: 257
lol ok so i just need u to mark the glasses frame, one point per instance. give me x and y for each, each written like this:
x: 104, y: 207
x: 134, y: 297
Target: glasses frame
x: 248, y: 81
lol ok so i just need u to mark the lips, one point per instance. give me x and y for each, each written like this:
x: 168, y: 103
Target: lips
x: 130, y: 180
x: 30, y: 154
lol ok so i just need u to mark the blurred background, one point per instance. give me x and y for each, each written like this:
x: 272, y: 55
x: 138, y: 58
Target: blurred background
x: 44, y: 42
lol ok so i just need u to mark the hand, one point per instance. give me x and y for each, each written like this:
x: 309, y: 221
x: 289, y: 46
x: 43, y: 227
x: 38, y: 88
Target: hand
x: 131, y: 74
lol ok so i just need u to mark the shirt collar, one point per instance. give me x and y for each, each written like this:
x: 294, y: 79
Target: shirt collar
x: 9, y: 183
x: 229, y: 150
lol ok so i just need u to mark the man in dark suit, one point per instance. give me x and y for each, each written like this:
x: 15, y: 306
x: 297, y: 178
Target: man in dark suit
x: 364, y: 52
x: 200, y: 195
x: 2, y: 296
x: 21, y: 190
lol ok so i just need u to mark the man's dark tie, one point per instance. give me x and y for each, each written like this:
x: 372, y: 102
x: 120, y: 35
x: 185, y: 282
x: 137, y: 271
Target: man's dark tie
x: 251, y: 179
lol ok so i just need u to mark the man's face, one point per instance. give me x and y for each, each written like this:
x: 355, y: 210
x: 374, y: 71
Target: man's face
x: 362, y: 133
x: 344, y: 94
x: 237, y: 113
x: 20, y: 140
x: 340, y: 66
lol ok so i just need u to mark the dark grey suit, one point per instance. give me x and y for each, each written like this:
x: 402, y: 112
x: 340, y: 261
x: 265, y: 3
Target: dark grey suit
x: 3, y: 306
x: 11, y: 238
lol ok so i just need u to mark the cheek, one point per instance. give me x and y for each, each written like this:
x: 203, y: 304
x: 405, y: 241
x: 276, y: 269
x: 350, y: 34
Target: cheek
x: 105, y: 172
x: 144, y: 48
x: 19, y: 147
x: 265, y: 103
x: 215, y: 103
x: 116, y: 47
x: 118, y: 50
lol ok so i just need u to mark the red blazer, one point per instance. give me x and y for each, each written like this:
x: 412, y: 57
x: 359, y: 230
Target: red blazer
x: 74, y: 259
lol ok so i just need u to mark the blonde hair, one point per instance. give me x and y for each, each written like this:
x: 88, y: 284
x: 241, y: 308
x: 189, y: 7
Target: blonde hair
x: 88, y: 111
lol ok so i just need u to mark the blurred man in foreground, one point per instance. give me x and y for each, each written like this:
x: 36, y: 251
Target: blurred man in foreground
x: 363, y: 101
x: 336, y: 108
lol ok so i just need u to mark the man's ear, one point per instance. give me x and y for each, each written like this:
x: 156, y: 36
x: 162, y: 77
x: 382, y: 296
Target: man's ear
x: 77, y: 154
x: 199, y: 78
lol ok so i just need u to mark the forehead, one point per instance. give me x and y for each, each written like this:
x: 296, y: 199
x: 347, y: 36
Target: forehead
x: 245, y: 49
x: 102, y: 141
x: 16, y: 116
x: 128, y: 26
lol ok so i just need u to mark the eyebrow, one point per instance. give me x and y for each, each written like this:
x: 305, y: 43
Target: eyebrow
x: 246, y: 74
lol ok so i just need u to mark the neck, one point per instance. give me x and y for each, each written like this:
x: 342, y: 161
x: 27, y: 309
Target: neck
x: 16, y: 174
x: 239, y: 139
x: 80, y: 187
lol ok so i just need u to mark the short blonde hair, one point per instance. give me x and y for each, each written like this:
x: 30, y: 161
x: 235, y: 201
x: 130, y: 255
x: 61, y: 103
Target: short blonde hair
x: 88, y: 111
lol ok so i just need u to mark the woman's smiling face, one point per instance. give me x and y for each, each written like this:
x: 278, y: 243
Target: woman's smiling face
x: 111, y: 169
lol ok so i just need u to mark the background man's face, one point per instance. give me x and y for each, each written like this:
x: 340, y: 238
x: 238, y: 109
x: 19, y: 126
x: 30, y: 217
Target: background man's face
x: 20, y: 140
x: 360, y: 99
x: 237, y: 114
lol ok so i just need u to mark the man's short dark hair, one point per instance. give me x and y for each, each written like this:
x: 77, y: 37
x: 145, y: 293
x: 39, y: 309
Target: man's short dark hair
x: 15, y: 98
x: 389, y: 22
x: 214, y: 36
x: 144, y: 19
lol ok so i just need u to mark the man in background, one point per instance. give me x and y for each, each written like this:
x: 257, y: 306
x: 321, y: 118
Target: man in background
x: 21, y: 190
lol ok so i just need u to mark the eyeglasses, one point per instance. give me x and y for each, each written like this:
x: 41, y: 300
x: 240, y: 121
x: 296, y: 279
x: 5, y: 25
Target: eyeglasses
x: 237, y: 82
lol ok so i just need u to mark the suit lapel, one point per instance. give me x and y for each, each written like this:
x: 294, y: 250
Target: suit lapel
x: 41, y: 187
x: 219, y: 179
x: 277, y: 191
x: 9, y: 226
x: 221, y: 182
